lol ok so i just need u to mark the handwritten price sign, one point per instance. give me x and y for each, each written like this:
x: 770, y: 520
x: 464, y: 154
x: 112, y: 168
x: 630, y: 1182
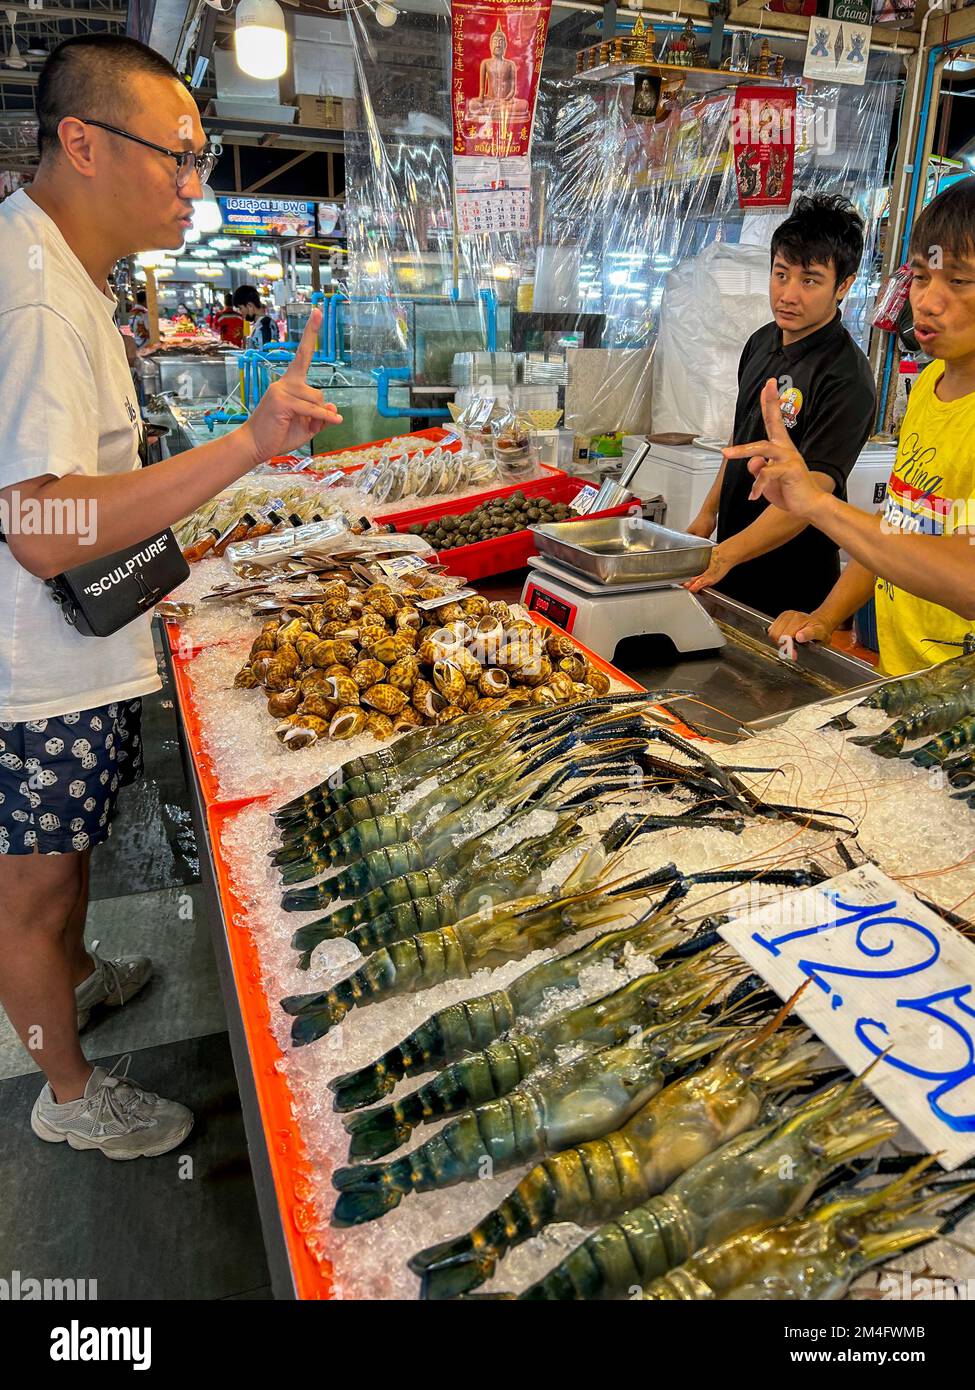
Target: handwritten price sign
x: 887, y: 976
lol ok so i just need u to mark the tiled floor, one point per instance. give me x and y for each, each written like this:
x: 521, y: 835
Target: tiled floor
x: 184, y: 1225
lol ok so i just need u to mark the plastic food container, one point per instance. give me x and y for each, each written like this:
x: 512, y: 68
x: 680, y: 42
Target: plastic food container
x: 503, y: 553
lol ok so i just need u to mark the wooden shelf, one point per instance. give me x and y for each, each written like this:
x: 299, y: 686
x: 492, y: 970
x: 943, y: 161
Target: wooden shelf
x: 691, y: 79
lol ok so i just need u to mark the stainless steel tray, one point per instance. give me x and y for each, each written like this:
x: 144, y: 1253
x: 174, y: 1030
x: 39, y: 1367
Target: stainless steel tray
x: 617, y: 550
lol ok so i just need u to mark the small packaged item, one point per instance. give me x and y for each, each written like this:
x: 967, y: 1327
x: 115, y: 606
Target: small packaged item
x: 514, y: 449
x: 475, y: 423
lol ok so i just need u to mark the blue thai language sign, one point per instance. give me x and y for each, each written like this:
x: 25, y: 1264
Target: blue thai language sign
x: 885, y: 977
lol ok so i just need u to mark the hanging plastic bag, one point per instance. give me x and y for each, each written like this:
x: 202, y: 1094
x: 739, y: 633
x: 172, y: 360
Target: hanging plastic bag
x: 892, y: 298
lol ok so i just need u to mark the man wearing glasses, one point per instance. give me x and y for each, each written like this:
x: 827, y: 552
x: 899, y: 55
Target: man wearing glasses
x: 123, y: 156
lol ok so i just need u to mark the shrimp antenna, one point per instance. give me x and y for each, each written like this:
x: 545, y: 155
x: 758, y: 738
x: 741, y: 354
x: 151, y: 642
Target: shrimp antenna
x: 776, y: 1021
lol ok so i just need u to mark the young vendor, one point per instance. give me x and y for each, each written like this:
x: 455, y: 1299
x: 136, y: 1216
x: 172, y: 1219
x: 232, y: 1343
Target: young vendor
x: 918, y: 558
x: 764, y: 557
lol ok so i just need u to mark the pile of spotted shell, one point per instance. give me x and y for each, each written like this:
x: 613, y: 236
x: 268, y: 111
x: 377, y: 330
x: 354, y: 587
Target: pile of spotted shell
x: 370, y: 661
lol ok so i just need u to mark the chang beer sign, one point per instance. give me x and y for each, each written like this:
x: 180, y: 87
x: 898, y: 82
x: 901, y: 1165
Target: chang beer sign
x: 852, y: 11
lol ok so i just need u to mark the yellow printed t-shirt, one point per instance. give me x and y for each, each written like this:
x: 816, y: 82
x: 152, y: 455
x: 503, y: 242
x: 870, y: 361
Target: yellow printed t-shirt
x: 931, y: 492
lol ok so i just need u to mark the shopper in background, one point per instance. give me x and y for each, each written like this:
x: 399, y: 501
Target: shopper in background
x: 763, y: 557
x: 264, y: 331
x: 69, y: 445
x: 230, y: 323
x: 139, y: 320
x: 916, y: 558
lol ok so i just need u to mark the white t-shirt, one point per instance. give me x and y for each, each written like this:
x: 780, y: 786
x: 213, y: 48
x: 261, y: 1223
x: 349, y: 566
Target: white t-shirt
x: 66, y: 406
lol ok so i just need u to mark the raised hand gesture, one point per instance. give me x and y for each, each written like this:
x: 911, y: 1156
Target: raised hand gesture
x: 291, y: 411
x: 780, y: 471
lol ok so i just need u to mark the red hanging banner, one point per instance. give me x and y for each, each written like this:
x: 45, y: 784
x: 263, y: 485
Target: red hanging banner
x: 763, y: 135
x: 497, y: 48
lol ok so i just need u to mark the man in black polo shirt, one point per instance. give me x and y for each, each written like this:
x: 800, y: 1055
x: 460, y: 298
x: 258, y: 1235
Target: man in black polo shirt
x: 764, y: 557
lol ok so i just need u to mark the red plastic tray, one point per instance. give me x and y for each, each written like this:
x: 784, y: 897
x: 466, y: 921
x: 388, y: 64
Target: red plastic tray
x: 502, y: 553
x: 551, y: 484
x: 435, y: 435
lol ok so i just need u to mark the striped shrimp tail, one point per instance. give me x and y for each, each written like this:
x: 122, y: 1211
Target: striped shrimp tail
x: 314, y: 1014
x: 454, y: 1267
x: 421, y: 1051
x: 377, y: 1132
x: 307, y: 938
x: 366, y: 1193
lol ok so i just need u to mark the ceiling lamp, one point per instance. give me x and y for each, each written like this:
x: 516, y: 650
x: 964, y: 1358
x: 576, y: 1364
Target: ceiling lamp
x: 207, y: 216
x: 260, y: 41
x: 150, y: 259
x: 272, y: 270
x: 209, y: 272
x: 386, y: 15
x: 222, y: 243
x: 202, y: 253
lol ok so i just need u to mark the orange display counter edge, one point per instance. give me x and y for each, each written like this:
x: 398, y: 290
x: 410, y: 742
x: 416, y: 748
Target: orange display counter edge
x: 290, y: 1168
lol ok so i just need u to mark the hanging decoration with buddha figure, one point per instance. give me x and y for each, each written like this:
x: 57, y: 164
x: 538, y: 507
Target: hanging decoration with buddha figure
x: 497, y: 48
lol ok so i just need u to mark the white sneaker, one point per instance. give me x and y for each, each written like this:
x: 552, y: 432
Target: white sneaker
x: 112, y: 982
x: 115, y: 1115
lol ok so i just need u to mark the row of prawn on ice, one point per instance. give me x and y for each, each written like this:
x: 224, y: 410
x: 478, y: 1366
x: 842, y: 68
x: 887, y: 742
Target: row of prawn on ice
x: 370, y: 661
x: 668, y: 1113
x: 672, y: 1123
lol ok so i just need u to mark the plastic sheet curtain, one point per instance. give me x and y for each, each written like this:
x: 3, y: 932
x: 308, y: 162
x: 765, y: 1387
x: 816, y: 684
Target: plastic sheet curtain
x: 617, y: 204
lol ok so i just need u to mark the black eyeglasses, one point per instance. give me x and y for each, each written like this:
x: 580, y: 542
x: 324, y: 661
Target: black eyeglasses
x: 187, y: 161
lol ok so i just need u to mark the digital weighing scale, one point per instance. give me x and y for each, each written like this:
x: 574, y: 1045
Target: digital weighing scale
x: 601, y: 617
x: 617, y: 577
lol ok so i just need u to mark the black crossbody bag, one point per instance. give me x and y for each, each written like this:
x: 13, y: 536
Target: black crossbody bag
x: 102, y: 596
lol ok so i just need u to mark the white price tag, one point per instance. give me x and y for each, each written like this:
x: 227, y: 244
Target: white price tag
x: 427, y: 603
x: 887, y: 978
x: 583, y: 500
x: 401, y: 564
x: 368, y: 478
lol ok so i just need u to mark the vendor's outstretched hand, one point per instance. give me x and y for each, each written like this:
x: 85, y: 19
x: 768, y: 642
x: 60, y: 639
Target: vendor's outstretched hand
x: 291, y: 411
x: 781, y: 475
x: 801, y: 627
x: 719, y: 563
